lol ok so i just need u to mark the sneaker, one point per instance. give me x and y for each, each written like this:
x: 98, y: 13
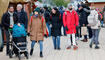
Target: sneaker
x: 69, y: 47
x: 97, y: 47
x: 31, y: 52
x: 75, y: 47
x: 90, y: 46
x: 80, y: 38
x: 41, y: 54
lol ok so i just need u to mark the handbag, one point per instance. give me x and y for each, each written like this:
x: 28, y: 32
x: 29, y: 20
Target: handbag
x: 84, y: 31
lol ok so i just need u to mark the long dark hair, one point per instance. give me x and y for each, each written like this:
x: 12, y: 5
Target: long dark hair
x: 57, y: 12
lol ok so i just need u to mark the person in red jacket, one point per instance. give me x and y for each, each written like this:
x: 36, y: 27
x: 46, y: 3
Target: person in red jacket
x: 70, y: 21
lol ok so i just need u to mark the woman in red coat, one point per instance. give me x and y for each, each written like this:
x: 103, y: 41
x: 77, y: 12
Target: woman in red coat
x: 70, y: 21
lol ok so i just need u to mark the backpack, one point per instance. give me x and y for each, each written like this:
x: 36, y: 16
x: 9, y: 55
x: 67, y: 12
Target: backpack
x: 92, y: 19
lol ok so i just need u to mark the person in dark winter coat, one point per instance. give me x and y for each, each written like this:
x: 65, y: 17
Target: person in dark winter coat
x: 22, y: 16
x: 87, y: 10
x: 82, y: 20
x: 56, y: 28
x: 47, y: 19
x: 61, y: 12
x: 8, y: 20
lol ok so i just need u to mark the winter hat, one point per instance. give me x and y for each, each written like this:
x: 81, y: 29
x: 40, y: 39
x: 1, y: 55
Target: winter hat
x: 45, y: 7
x: 70, y: 5
x: 37, y: 10
x: 19, y: 5
x: 61, y: 8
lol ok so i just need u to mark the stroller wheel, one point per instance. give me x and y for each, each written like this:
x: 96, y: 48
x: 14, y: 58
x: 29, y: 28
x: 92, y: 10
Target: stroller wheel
x: 19, y: 56
x: 26, y: 55
x: 10, y: 54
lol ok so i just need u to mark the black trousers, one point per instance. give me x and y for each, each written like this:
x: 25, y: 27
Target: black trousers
x: 7, y: 32
x: 90, y: 32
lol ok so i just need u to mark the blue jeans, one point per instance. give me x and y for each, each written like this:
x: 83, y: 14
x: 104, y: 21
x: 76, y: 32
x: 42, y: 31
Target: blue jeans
x: 95, y: 36
x: 102, y: 22
x: 49, y: 29
x: 90, y: 32
x: 56, y: 41
x: 41, y: 45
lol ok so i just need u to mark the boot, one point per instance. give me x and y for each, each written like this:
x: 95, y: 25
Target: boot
x: 31, y: 52
x: 41, y: 54
x: 84, y: 40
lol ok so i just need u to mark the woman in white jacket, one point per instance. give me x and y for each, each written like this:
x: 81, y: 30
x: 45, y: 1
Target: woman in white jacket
x: 94, y: 23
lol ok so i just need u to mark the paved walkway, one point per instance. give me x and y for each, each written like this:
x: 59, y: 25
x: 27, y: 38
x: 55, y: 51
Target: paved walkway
x: 83, y: 53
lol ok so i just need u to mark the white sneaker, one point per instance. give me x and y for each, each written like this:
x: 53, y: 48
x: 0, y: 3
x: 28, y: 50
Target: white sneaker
x: 80, y: 38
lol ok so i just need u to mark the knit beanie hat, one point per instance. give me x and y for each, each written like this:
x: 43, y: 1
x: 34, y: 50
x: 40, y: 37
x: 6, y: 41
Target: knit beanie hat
x: 37, y: 10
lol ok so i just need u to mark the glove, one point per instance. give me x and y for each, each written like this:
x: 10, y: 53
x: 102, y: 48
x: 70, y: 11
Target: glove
x: 28, y: 34
x: 66, y: 28
x: 45, y: 35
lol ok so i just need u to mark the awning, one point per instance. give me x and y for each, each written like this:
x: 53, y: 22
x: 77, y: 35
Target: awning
x: 4, y: 5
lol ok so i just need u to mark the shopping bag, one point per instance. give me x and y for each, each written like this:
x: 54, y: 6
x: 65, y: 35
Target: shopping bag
x: 84, y: 31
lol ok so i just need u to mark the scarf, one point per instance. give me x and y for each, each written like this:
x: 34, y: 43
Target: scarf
x: 11, y: 18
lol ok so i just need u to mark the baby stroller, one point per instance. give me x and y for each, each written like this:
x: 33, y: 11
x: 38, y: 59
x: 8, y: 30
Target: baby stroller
x: 18, y: 42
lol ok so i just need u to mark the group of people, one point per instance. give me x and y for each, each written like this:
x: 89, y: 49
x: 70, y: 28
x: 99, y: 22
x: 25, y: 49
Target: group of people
x: 46, y: 23
x: 10, y: 18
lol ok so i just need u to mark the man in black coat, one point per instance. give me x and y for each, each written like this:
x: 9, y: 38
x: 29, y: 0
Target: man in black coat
x: 61, y: 12
x: 8, y: 20
x: 47, y: 19
x: 83, y: 14
x: 22, y: 16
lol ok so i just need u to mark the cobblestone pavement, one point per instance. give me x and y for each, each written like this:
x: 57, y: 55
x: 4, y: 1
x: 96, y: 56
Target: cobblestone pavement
x: 83, y: 53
